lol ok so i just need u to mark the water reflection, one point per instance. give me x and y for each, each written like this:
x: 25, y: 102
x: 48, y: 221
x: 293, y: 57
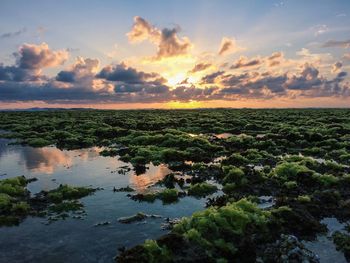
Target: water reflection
x: 89, y: 154
x: 44, y: 160
x: 51, y: 161
x: 3, y: 147
x: 152, y: 175
x: 48, y: 159
x: 32, y: 241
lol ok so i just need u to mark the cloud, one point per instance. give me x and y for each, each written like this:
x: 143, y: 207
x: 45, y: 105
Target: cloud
x: 167, y: 40
x: 275, y: 55
x: 66, y: 76
x: 243, y: 62
x: 83, y: 68
x: 150, y: 89
x: 85, y: 82
x: 274, y: 63
x: 253, y: 85
x: 30, y: 59
x: 142, y: 30
x: 337, y: 66
x: 229, y: 46
x: 307, y: 82
x: 210, y: 78
x: 122, y: 73
x: 192, y: 93
x: 200, y: 67
x: 337, y: 43
x: 13, y: 34
x: 31, y: 56
x: 315, y: 58
x: 13, y: 73
x: 307, y: 79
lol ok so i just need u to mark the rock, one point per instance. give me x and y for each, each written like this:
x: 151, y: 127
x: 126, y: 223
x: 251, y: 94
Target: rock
x: 102, y: 223
x: 123, y: 189
x: 169, y: 223
x: 288, y: 249
x: 134, y: 218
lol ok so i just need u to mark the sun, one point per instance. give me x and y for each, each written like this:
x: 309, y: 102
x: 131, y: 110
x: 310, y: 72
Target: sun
x: 176, y: 79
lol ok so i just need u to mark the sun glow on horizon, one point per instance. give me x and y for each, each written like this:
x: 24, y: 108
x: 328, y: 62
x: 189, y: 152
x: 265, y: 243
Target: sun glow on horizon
x: 184, y: 105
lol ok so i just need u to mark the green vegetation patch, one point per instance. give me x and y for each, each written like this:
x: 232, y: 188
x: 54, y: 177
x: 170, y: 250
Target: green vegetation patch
x: 202, y: 189
x: 16, y: 203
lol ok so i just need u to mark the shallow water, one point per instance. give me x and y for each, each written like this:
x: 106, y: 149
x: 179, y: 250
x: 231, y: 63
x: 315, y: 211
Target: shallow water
x: 324, y: 247
x: 74, y: 240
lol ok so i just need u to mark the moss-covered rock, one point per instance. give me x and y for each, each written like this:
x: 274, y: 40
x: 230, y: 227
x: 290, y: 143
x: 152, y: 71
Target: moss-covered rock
x: 202, y: 189
x: 342, y: 242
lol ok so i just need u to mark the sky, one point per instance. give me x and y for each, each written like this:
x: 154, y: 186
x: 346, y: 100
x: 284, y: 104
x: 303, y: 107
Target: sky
x: 174, y: 54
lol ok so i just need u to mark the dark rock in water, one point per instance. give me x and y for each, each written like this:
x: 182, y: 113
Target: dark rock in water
x: 123, y: 189
x: 30, y: 180
x: 288, y: 249
x: 135, y: 218
x: 105, y: 223
x: 169, y: 223
x: 130, y: 219
x: 148, y: 197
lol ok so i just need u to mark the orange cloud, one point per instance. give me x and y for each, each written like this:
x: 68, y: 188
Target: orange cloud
x: 31, y: 56
x: 167, y: 40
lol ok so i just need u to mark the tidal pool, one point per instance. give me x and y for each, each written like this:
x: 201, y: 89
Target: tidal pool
x: 74, y: 240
